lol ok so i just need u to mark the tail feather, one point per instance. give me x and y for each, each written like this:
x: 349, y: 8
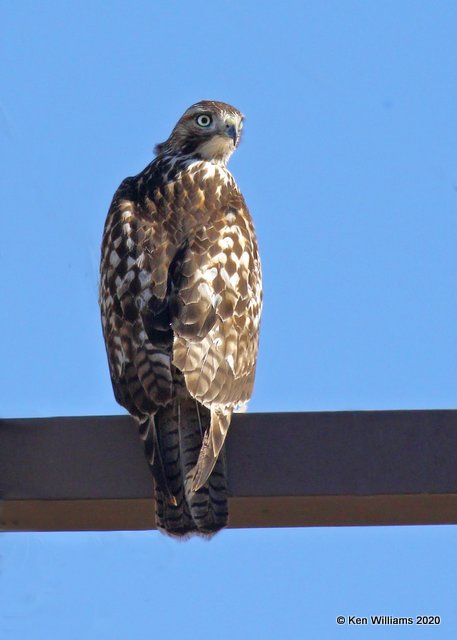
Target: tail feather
x: 172, y: 515
x: 175, y: 436
x: 148, y: 433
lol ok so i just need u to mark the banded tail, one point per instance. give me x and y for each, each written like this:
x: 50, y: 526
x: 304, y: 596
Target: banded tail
x: 173, y: 441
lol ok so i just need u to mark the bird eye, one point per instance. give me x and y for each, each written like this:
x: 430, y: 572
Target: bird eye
x: 204, y: 120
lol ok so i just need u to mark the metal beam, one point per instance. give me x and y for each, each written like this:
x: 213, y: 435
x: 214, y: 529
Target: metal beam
x: 285, y: 470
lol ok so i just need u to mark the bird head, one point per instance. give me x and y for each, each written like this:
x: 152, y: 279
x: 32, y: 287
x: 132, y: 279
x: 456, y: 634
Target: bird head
x: 207, y: 130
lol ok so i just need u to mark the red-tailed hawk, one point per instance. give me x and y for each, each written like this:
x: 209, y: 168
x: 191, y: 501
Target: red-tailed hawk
x: 180, y: 298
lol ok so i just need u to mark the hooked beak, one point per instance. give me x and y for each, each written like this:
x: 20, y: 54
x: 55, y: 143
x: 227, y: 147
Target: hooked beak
x: 231, y: 131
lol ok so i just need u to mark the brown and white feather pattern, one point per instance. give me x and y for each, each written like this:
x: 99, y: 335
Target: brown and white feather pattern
x: 180, y: 297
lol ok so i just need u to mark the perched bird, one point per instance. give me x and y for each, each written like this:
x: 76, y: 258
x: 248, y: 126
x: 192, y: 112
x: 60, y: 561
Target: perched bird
x: 180, y: 298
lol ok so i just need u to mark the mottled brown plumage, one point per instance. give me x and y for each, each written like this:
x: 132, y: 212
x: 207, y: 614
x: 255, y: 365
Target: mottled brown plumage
x: 180, y: 297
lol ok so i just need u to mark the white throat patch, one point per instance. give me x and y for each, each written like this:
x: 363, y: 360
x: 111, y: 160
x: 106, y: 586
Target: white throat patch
x: 218, y: 148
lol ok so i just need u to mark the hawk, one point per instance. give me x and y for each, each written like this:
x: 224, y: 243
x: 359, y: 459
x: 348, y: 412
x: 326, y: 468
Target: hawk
x: 180, y: 298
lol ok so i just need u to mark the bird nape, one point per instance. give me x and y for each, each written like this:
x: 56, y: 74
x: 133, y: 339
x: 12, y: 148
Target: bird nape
x: 180, y: 299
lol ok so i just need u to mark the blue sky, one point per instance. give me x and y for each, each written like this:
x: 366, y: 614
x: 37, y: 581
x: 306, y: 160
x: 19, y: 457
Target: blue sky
x: 349, y: 167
